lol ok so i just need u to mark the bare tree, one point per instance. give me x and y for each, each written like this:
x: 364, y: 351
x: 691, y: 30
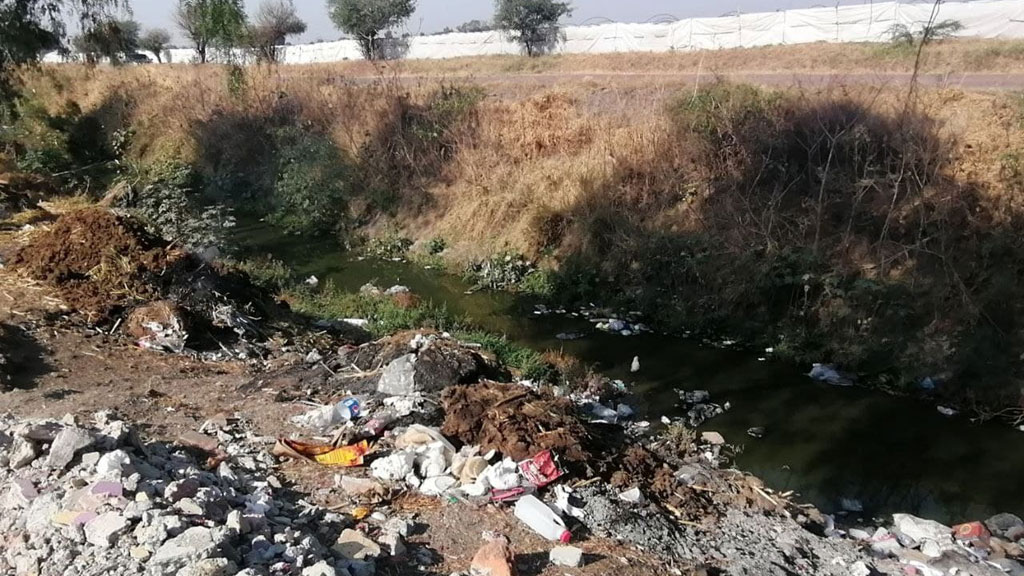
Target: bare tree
x: 274, y: 22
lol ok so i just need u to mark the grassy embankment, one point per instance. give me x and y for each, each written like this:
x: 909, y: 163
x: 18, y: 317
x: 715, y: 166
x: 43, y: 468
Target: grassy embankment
x: 846, y: 224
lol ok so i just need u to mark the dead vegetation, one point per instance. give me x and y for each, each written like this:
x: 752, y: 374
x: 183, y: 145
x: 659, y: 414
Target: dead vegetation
x: 838, y: 221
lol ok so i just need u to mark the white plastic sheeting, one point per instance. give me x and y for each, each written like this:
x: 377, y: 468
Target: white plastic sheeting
x: 856, y: 23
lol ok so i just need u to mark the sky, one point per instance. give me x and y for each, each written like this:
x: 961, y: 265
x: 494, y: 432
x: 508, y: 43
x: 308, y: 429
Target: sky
x: 435, y: 15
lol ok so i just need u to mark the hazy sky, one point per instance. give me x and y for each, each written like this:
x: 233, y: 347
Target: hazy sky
x: 434, y: 15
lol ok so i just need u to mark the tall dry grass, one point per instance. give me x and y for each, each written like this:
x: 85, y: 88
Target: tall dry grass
x: 821, y: 214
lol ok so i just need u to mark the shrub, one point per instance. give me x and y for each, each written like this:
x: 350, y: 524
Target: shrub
x: 165, y: 198
x: 313, y: 183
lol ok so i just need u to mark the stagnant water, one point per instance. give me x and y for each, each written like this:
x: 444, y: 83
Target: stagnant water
x: 826, y: 443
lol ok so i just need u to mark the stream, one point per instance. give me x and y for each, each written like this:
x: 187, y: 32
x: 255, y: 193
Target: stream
x: 824, y: 442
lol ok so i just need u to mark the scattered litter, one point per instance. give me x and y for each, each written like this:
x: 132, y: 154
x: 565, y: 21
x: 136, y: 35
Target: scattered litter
x: 946, y: 411
x: 542, y: 469
x: 635, y: 367
x: 346, y: 456
x: 756, y: 432
x: 541, y: 519
x: 633, y: 496
x: 312, y: 281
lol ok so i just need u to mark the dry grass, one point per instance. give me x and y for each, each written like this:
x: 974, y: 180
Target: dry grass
x: 529, y: 152
x: 951, y: 56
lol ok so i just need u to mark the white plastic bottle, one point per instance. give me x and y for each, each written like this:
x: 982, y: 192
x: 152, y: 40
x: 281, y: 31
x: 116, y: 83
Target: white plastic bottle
x: 542, y: 519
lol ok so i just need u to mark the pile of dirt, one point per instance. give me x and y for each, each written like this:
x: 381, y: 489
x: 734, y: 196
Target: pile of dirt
x: 515, y: 421
x: 19, y: 192
x: 99, y: 262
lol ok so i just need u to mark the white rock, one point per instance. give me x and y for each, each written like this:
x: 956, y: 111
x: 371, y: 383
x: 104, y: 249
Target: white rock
x: 112, y: 464
x: 568, y: 556
x: 859, y: 569
x: 920, y: 530
x: 321, y: 568
x: 190, y: 546
x: 633, y: 496
x: 712, y: 438
x: 105, y: 529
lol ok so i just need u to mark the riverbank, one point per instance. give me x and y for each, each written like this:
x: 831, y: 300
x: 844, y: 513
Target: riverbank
x: 872, y: 228
x: 244, y: 394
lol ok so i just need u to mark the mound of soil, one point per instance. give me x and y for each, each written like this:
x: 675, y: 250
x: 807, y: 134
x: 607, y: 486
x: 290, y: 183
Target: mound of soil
x: 99, y: 262
x: 515, y: 421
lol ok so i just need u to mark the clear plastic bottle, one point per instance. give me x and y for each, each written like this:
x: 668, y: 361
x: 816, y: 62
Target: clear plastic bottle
x: 542, y: 519
x: 347, y: 410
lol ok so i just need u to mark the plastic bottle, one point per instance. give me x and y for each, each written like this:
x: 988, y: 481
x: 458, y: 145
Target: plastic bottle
x: 347, y: 410
x: 542, y: 519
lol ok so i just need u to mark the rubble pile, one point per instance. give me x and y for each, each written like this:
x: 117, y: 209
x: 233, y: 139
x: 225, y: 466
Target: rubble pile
x: 92, y: 499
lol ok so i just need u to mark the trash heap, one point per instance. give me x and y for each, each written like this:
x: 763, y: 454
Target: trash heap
x: 929, y: 548
x: 94, y: 499
x: 565, y: 465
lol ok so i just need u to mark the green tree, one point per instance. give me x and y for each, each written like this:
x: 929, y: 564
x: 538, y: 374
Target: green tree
x: 216, y: 24
x: 367, y: 19
x: 30, y: 27
x: 532, y: 23
x: 112, y: 39
x: 155, y: 41
x: 274, y: 22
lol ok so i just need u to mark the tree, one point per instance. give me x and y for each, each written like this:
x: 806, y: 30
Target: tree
x: 475, y: 26
x: 111, y: 39
x: 30, y: 27
x: 211, y: 24
x: 532, y: 23
x: 275, y: 21
x: 155, y: 41
x: 367, y: 19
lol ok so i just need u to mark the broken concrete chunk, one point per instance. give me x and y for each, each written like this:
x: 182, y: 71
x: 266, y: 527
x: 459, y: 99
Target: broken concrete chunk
x: 23, y: 453
x: 568, y: 556
x: 353, y: 545
x: 199, y: 441
x: 713, y: 438
x: 68, y: 442
x: 20, y: 494
x: 190, y: 546
x: 105, y: 529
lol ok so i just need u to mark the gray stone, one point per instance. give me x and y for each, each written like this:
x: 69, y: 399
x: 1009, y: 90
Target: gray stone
x: 23, y: 453
x: 860, y: 569
x: 210, y: 567
x: 105, y: 529
x: 188, y: 507
x: 321, y: 568
x: 1003, y: 524
x: 568, y: 556
x: 21, y: 493
x: 42, y: 509
x: 237, y: 522
x: 399, y: 377
x: 181, y: 489
x: 190, y: 546
x: 361, y: 568
x: 353, y: 545
x: 858, y: 534
x: 68, y: 442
